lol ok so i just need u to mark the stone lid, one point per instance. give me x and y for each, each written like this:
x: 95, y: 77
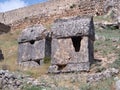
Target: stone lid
x: 35, y: 32
x: 77, y: 26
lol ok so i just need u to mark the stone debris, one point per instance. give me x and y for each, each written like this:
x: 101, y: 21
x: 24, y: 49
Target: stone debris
x: 9, y: 81
x: 17, y: 81
x: 102, y: 75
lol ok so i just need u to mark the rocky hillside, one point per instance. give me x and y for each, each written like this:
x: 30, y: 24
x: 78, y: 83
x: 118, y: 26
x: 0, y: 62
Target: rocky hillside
x: 49, y: 11
x: 104, y: 73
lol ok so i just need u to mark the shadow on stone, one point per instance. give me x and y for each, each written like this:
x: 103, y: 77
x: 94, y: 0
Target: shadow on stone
x: 1, y: 55
x: 77, y: 43
x: 48, y: 47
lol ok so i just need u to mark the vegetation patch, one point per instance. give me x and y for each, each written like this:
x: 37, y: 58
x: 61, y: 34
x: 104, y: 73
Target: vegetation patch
x: 116, y: 63
x: 47, y: 60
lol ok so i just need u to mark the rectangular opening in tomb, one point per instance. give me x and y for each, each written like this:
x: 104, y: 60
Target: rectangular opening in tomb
x: 61, y: 67
x: 76, y: 40
x: 32, y: 41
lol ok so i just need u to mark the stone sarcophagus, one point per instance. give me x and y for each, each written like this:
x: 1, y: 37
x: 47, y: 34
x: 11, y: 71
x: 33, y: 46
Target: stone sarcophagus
x: 72, y: 44
x: 32, y: 46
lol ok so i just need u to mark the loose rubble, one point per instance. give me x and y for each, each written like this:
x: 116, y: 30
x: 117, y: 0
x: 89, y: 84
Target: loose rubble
x: 102, y: 75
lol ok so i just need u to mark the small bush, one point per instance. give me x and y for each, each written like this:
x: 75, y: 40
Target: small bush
x: 100, y: 69
x: 112, y: 27
x: 29, y: 87
x: 29, y: 73
x: 116, y: 64
x: 32, y: 88
x: 5, y: 67
x: 85, y: 87
x: 26, y: 18
x: 47, y: 60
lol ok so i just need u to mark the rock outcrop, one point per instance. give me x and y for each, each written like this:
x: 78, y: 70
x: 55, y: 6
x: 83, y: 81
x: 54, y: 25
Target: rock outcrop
x: 72, y: 44
x: 4, y: 28
x: 114, y: 7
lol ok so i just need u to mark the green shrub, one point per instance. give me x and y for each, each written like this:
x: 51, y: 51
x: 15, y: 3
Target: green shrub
x: 111, y: 27
x: 47, y: 60
x: 33, y: 88
x: 116, y: 64
x: 85, y: 87
x: 100, y: 69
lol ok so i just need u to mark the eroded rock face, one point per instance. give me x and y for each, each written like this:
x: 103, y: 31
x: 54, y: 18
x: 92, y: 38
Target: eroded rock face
x: 72, y: 44
x: 32, y: 48
x: 29, y: 52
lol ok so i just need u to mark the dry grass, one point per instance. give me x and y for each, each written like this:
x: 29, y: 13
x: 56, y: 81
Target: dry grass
x: 9, y: 46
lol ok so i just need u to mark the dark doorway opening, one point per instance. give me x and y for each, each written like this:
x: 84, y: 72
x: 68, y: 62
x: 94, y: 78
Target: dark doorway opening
x: 76, y: 43
x: 61, y: 67
x: 47, y: 57
x: 38, y: 61
x: 32, y: 41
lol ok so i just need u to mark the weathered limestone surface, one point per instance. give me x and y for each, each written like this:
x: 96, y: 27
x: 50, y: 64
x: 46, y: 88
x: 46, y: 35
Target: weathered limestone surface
x: 64, y: 51
x: 77, y: 26
x: 28, y: 51
x: 35, y: 32
x: 72, y: 45
x: 31, y: 48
